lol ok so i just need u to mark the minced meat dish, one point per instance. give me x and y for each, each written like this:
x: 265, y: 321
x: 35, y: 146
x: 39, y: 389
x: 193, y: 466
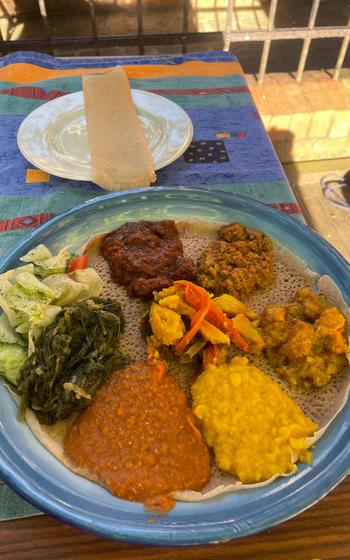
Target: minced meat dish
x: 238, y: 263
x: 146, y: 256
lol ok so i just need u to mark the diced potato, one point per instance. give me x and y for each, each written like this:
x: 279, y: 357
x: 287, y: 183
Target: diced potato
x: 176, y: 303
x: 167, y: 325
x: 213, y: 334
x: 251, y: 335
x: 232, y: 306
x: 165, y: 293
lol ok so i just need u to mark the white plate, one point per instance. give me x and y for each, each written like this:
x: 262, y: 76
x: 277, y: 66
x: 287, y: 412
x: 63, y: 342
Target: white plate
x: 53, y: 137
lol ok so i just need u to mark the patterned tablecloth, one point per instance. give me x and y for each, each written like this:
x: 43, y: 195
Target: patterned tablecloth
x: 212, y: 89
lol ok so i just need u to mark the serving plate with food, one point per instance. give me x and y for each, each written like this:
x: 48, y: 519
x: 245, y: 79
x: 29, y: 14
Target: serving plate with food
x: 174, y: 366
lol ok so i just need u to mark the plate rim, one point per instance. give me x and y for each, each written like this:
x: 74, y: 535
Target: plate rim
x: 63, y: 175
x: 322, y: 478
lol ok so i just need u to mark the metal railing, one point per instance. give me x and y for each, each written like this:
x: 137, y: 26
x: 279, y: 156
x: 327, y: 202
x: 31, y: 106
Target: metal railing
x: 228, y: 38
x: 288, y: 33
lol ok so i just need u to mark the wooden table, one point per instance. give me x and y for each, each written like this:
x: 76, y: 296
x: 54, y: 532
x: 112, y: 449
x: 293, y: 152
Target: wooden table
x: 322, y: 533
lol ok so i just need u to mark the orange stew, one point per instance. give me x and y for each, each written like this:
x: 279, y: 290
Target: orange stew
x: 140, y: 439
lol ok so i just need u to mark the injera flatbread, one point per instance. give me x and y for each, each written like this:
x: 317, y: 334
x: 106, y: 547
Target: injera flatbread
x: 120, y: 156
x: 321, y: 405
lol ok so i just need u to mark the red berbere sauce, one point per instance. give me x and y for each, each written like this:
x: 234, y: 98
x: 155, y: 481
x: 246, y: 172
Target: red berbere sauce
x: 140, y: 439
x: 146, y: 257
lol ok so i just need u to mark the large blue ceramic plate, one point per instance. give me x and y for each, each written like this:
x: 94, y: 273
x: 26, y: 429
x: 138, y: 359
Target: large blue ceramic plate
x: 40, y: 478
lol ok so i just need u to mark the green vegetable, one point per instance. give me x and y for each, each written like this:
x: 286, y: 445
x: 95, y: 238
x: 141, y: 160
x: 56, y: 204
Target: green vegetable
x: 31, y: 329
x: 12, y: 356
x: 31, y: 302
x: 39, y: 254
x: 76, y: 286
x: 14, y: 317
x: 34, y: 288
x: 5, y: 285
x: 7, y: 332
x: 89, y: 278
x: 68, y: 290
x: 29, y: 295
x: 11, y: 275
x: 196, y: 347
x: 46, y: 263
x: 72, y: 357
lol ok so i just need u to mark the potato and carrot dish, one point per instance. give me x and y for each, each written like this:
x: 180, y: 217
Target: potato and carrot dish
x: 213, y: 323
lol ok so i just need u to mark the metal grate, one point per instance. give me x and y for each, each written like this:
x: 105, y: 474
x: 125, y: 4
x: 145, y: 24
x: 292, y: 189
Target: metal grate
x: 288, y: 33
x: 53, y: 45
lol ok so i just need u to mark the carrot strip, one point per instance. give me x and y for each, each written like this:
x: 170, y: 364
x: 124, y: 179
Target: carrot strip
x: 201, y: 313
x: 214, y: 316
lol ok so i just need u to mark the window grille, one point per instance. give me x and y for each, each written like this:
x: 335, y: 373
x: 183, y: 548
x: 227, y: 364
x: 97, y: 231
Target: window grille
x: 97, y: 42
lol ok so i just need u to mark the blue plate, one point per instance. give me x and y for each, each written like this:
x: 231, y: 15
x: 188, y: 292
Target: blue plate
x: 30, y: 470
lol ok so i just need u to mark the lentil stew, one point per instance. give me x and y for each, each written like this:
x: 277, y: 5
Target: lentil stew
x: 140, y: 439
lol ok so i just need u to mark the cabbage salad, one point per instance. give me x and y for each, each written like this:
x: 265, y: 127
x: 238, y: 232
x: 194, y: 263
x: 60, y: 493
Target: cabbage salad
x: 32, y: 295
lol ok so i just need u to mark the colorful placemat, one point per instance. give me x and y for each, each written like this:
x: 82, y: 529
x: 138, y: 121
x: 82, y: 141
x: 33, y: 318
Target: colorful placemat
x: 230, y: 149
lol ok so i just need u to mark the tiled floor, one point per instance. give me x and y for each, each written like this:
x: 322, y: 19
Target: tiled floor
x: 331, y: 222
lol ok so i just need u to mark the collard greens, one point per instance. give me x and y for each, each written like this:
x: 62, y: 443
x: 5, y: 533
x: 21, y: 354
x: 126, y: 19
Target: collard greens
x: 72, y: 357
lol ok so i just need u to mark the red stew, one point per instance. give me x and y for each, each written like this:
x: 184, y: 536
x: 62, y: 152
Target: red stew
x: 140, y: 439
x: 146, y: 256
